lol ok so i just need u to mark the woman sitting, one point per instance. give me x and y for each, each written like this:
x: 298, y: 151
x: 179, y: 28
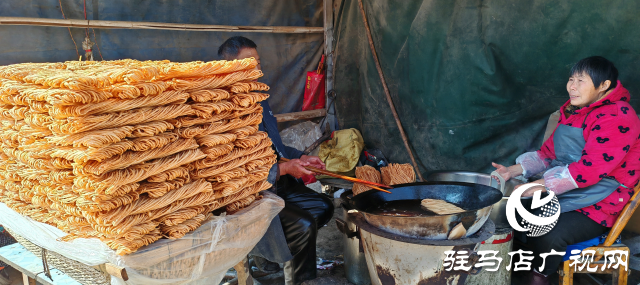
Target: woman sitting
x: 591, y: 161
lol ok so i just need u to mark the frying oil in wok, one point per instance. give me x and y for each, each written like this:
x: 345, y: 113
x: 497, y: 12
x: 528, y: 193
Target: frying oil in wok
x: 400, y: 208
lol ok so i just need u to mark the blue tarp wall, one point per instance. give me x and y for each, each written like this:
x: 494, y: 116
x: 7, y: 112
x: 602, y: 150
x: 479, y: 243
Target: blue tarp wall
x: 473, y: 80
x: 285, y: 57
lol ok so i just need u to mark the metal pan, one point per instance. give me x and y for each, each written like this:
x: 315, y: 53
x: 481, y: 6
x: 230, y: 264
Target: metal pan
x: 498, y: 214
x: 477, y: 199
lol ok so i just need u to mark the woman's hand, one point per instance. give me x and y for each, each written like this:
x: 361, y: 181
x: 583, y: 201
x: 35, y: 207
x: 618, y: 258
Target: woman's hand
x: 502, y: 170
x: 507, y: 172
x: 295, y: 168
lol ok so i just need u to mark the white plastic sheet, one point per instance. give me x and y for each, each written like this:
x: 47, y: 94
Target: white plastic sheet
x: 200, y: 257
x: 531, y: 163
x: 559, y: 180
x: 88, y: 251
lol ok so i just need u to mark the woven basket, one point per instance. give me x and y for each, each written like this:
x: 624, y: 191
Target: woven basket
x: 81, y: 272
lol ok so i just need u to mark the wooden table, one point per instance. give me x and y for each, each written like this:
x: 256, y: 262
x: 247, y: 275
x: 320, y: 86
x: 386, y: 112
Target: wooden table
x: 30, y: 265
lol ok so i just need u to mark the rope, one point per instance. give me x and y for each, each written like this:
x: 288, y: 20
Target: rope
x: 71, y: 35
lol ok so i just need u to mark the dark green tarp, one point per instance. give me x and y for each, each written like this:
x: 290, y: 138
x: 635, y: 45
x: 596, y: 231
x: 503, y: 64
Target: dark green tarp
x: 473, y: 81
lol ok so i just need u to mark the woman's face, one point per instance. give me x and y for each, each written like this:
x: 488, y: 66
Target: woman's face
x: 581, y: 90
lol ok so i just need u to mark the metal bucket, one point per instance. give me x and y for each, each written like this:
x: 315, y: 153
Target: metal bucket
x: 398, y: 260
x: 498, y: 215
x: 355, y: 264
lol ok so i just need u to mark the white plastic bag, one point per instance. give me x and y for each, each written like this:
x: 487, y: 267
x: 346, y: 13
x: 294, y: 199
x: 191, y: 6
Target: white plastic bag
x: 301, y: 135
x: 200, y: 257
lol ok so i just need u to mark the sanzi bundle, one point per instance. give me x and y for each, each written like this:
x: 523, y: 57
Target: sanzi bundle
x: 392, y: 174
x: 130, y: 151
x: 396, y: 173
x: 367, y: 173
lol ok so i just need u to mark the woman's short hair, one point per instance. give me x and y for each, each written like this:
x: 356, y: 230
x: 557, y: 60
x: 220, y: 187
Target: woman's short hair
x: 232, y: 46
x: 599, y: 69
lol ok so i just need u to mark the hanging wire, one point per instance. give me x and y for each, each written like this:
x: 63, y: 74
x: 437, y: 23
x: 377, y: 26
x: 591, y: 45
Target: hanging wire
x: 86, y: 31
x: 96, y: 41
x: 71, y: 35
x: 332, y: 98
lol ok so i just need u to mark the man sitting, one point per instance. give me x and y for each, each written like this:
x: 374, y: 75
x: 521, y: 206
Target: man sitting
x: 305, y: 210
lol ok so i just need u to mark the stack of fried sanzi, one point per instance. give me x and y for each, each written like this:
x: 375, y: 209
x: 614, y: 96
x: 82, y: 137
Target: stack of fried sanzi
x: 130, y: 151
x: 392, y: 174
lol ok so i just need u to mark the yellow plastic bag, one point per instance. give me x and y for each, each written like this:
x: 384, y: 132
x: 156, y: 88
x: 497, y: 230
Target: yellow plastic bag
x: 341, y: 153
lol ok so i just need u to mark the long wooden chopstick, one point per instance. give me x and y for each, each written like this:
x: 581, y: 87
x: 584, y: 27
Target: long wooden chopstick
x: 373, y: 185
x: 370, y: 186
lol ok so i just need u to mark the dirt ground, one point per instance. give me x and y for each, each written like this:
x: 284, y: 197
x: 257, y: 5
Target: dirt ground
x: 328, y: 247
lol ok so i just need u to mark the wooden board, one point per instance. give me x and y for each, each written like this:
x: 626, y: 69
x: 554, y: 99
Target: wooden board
x: 301, y: 115
x: 99, y: 24
x: 30, y: 265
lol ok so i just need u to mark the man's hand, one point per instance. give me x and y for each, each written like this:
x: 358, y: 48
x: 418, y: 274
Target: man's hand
x: 313, y: 161
x: 295, y: 168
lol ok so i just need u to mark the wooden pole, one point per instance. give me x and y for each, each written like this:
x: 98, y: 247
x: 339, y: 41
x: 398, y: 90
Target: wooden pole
x: 98, y: 24
x: 113, y: 270
x: 386, y: 92
x: 303, y: 115
x: 244, y: 274
x: 328, y: 51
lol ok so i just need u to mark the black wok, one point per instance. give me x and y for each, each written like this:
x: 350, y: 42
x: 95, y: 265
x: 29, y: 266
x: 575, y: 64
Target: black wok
x: 413, y: 222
